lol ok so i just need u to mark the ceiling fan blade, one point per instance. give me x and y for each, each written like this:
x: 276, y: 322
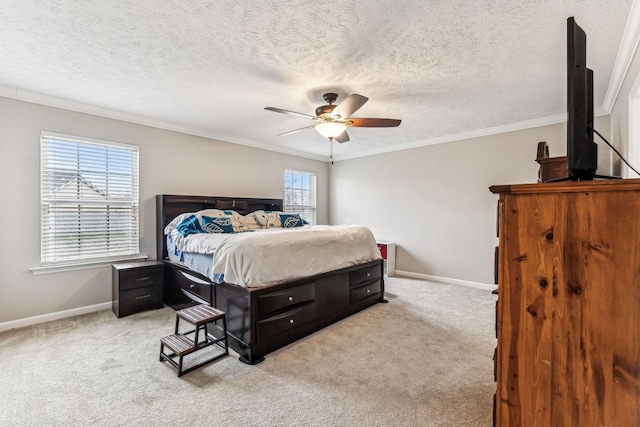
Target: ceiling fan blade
x: 372, y: 123
x: 297, y: 130
x: 343, y: 137
x: 349, y: 106
x: 291, y: 113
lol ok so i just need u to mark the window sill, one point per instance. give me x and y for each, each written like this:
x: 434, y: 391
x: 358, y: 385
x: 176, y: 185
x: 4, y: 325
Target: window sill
x: 84, y: 266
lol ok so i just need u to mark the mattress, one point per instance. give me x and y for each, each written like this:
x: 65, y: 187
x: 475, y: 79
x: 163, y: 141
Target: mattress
x: 201, y: 263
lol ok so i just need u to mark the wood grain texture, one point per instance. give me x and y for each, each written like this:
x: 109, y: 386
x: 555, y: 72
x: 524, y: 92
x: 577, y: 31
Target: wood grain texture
x: 569, y: 186
x: 569, y: 307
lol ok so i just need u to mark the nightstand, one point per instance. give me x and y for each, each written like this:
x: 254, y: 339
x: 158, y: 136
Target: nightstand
x: 136, y: 287
x: 388, y: 252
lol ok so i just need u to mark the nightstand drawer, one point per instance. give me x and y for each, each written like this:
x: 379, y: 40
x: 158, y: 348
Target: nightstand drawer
x: 139, y: 299
x: 140, y: 277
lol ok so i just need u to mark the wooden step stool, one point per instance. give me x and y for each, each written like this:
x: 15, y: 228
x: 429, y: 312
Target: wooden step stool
x: 180, y: 344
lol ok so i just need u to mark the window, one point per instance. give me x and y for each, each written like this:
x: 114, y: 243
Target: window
x: 300, y: 194
x: 89, y: 200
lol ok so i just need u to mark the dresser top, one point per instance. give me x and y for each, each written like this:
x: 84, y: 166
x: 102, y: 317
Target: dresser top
x: 569, y: 186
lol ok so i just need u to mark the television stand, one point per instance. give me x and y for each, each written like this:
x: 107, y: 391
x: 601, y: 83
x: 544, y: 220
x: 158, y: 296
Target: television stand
x: 568, y: 304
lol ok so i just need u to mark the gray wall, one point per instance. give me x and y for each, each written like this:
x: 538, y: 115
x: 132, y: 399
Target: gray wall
x: 170, y: 163
x: 434, y: 201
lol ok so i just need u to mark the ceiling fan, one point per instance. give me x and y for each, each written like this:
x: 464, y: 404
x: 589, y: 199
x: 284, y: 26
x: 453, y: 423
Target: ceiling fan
x: 334, y: 119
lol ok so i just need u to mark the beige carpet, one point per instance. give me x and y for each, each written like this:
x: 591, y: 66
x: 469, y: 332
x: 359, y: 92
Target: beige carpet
x: 424, y: 359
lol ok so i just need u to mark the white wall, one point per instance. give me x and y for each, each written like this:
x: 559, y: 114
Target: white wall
x: 170, y: 163
x: 621, y: 121
x: 434, y: 201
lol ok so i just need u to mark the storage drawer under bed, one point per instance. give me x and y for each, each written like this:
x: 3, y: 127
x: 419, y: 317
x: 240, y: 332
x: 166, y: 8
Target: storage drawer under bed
x: 280, y: 300
x: 196, y: 286
x: 359, y: 276
x: 365, y: 290
x: 285, y: 321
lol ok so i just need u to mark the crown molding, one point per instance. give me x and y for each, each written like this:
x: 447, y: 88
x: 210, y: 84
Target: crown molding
x: 545, y: 121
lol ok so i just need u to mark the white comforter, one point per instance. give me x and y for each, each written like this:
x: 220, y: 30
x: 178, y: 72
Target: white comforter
x: 268, y: 257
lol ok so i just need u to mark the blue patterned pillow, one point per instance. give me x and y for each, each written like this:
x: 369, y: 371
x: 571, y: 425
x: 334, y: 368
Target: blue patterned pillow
x: 237, y: 220
x: 291, y: 220
x: 221, y: 224
x: 189, y: 225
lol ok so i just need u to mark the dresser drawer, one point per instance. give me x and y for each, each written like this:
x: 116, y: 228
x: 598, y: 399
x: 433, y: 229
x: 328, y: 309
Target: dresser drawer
x: 140, y: 277
x: 285, y: 321
x: 280, y: 300
x: 365, y: 290
x: 137, y: 300
x: 359, y: 276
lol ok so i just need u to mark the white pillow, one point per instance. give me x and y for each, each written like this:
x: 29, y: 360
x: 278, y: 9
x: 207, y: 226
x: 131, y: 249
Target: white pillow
x: 174, y: 222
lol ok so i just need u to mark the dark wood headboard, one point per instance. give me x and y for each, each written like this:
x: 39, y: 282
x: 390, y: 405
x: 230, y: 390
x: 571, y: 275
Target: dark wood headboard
x: 170, y: 206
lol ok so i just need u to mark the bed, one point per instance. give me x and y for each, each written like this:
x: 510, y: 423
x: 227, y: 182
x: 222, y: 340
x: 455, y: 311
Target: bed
x: 268, y: 314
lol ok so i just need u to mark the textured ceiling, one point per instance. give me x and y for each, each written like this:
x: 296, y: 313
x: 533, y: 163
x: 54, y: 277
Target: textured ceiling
x: 209, y: 67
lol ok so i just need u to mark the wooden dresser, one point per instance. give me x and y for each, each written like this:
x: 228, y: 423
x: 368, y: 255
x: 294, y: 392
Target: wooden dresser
x: 568, y: 310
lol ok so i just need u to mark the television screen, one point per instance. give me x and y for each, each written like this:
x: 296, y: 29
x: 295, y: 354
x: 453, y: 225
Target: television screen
x: 582, y: 152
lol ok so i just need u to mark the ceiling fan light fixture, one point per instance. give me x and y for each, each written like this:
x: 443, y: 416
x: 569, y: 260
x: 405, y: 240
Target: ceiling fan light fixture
x: 330, y: 129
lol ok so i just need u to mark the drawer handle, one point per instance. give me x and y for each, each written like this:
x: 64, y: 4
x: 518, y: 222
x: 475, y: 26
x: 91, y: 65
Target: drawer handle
x: 368, y: 291
x: 142, y: 279
x: 291, y: 321
x: 192, y: 286
x: 143, y: 296
x: 368, y: 274
x: 290, y: 298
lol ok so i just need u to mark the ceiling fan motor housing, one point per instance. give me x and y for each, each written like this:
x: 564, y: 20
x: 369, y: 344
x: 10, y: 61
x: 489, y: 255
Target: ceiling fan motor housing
x: 324, y: 111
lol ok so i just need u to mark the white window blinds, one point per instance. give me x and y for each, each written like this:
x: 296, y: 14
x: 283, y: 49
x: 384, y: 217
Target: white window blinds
x: 300, y: 194
x: 89, y: 199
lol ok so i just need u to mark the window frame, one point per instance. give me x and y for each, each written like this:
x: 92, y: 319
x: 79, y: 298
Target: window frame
x: 295, y: 208
x: 104, y: 207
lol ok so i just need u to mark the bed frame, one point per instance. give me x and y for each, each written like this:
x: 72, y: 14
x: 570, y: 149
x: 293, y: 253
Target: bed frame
x: 262, y: 320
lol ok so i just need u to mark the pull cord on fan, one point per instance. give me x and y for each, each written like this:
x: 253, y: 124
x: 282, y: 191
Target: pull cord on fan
x: 331, y: 149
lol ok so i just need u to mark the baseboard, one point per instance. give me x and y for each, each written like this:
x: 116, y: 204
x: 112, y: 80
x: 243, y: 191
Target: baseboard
x: 29, y: 321
x: 447, y: 280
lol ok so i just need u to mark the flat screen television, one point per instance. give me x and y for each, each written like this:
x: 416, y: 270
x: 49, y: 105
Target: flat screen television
x: 582, y: 152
